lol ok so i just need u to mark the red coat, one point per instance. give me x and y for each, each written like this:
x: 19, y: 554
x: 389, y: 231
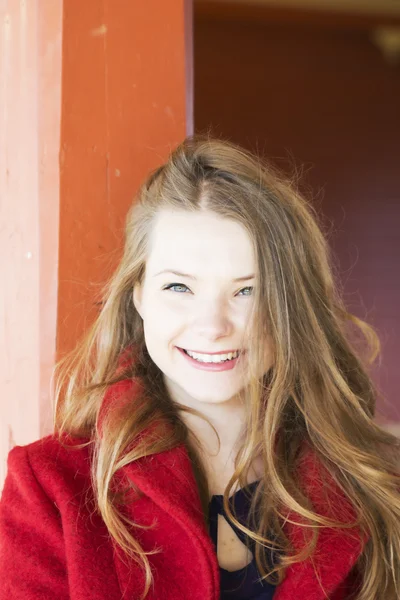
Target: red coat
x: 54, y: 546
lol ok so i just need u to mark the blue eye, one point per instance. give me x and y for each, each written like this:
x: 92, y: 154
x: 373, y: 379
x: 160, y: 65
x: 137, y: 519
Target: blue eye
x: 171, y: 285
x: 249, y: 287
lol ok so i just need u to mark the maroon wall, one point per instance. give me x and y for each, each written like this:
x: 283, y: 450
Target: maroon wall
x: 325, y: 96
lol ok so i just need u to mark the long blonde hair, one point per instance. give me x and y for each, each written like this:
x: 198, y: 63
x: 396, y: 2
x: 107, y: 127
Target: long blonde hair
x: 319, y: 389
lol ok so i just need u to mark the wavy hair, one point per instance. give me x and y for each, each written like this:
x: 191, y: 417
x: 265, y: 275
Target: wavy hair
x: 319, y: 389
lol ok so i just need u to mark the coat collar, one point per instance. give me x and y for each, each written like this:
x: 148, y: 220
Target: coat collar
x: 167, y: 479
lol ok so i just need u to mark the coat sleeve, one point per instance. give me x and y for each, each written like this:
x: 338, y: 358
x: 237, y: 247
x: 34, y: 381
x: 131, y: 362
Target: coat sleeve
x: 32, y: 557
x: 328, y: 573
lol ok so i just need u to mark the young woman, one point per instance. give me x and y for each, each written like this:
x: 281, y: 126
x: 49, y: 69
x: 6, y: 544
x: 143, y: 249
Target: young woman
x: 214, y: 433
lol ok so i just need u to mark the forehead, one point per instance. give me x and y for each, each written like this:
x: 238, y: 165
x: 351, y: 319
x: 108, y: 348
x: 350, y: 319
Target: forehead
x: 202, y: 240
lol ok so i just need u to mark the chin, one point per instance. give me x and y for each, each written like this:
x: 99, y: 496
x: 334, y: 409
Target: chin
x: 210, y: 397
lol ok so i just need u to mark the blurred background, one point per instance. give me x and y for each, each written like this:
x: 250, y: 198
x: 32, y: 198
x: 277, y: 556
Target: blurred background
x: 315, y: 87
x: 93, y: 95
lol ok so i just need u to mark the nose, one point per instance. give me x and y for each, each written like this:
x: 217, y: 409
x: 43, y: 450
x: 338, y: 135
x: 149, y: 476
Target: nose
x: 212, y: 320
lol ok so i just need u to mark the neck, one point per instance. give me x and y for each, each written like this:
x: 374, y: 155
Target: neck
x: 228, y: 418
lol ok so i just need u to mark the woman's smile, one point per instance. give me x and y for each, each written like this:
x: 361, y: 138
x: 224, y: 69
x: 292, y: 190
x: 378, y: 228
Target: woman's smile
x: 207, y: 365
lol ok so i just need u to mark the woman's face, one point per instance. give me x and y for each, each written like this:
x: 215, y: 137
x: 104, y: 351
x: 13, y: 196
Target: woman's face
x: 207, y: 310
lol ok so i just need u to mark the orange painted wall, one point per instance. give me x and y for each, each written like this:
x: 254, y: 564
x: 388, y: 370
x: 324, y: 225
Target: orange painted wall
x: 126, y: 101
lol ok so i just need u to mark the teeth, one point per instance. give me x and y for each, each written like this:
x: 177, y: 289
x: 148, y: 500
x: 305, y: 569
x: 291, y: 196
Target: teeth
x: 213, y: 358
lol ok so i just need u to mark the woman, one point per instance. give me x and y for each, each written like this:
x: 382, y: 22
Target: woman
x: 214, y: 433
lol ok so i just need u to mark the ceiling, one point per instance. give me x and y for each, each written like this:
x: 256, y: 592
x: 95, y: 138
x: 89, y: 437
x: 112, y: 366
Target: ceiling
x: 381, y: 7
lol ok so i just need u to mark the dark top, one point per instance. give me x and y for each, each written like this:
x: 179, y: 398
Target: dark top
x: 242, y: 584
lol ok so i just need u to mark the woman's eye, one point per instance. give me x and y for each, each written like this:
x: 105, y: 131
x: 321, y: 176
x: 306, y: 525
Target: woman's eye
x: 246, y: 288
x: 182, y: 285
x: 172, y: 285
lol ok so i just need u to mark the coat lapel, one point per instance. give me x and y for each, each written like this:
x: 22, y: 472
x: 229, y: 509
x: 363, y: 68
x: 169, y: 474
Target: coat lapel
x: 170, y: 492
x: 171, y: 497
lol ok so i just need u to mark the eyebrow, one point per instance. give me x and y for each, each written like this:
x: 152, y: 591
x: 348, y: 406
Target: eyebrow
x: 179, y: 274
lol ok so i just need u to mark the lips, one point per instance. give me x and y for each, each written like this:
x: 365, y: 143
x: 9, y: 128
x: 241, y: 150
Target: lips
x: 210, y: 353
x: 224, y: 365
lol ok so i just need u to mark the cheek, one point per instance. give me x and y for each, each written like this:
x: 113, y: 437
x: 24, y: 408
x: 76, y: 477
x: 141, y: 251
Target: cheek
x: 162, y: 308
x: 161, y: 328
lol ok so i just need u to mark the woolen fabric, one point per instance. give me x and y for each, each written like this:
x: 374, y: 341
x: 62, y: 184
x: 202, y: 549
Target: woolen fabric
x: 54, y: 545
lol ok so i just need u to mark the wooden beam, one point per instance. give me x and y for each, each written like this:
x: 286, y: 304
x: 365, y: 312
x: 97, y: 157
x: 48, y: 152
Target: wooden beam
x: 207, y: 9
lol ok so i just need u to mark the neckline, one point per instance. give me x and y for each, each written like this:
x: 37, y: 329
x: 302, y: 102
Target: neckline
x: 249, y: 486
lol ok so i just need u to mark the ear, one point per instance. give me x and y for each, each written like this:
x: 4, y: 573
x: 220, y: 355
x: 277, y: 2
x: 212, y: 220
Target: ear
x: 137, y: 298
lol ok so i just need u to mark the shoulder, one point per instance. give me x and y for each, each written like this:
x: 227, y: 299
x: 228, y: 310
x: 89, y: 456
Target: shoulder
x: 58, y: 465
x: 53, y: 450
x: 328, y: 500
x: 329, y: 570
x: 320, y: 482
x: 43, y: 501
